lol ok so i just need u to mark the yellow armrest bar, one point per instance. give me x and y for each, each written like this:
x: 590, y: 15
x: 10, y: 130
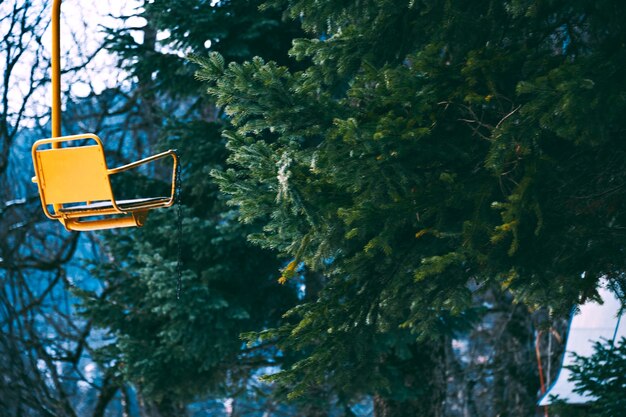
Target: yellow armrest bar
x: 152, y: 158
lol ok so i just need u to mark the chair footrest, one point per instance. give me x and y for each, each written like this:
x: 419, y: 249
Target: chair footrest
x: 130, y: 205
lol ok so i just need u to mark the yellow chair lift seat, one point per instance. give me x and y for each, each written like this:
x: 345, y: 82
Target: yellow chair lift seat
x: 74, y: 181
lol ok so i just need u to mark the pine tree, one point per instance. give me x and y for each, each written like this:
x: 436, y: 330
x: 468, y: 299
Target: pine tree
x: 178, y: 345
x: 601, y: 378
x: 428, y: 151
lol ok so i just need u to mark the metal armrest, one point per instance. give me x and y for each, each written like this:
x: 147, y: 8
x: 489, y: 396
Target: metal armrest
x: 152, y: 158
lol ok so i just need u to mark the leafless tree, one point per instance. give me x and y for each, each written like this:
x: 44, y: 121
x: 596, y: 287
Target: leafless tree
x: 45, y: 348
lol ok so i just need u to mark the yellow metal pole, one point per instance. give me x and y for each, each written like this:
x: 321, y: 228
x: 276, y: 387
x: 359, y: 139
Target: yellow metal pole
x: 56, y: 71
x: 56, y: 78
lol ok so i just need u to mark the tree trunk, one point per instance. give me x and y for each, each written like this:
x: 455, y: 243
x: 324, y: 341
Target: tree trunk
x: 314, y: 282
x: 384, y: 407
x: 107, y: 392
x: 492, y: 369
x: 423, y: 381
x: 164, y: 408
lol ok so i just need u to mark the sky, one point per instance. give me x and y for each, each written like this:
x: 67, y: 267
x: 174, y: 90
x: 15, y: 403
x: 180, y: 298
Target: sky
x: 83, y: 20
x: 81, y: 35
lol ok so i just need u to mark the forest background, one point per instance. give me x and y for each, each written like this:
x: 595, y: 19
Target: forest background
x: 383, y: 204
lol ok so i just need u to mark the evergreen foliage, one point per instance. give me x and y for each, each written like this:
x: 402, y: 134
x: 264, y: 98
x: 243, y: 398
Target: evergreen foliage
x: 428, y: 150
x: 420, y: 155
x: 178, y: 350
x: 601, y: 377
x: 174, y: 28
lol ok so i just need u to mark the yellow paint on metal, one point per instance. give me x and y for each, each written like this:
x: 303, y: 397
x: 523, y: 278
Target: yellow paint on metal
x: 74, y: 175
x: 55, y: 63
x: 101, y: 224
x: 56, y: 69
x: 79, y: 174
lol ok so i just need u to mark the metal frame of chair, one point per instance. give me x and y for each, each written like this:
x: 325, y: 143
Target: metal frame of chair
x: 74, y: 181
x: 66, y: 176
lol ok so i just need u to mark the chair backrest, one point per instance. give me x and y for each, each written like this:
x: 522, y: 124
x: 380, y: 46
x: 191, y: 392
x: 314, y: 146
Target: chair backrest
x: 73, y: 174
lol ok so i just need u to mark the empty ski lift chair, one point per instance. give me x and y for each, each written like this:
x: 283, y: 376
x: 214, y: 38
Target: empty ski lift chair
x: 75, y: 188
x: 73, y: 177
x: 593, y: 323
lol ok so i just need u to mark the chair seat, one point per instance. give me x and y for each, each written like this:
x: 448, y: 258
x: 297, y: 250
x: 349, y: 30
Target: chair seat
x: 130, y: 205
